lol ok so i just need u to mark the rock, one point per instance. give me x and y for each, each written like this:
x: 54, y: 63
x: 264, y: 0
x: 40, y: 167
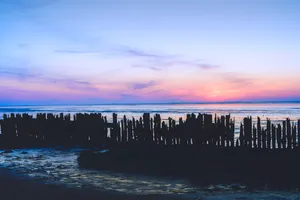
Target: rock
x: 61, y: 167
x: 8, y: 151
x: 236, y: 187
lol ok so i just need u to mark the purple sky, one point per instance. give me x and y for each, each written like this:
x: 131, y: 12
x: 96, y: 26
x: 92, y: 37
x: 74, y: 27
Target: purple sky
x: 130, y: 51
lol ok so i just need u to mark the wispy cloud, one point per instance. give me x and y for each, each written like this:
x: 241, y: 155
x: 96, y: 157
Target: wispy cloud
x: 160, y: 64
x: 158, y: 61
x: 144, y: 59
x: 18, y: 72
x: 144, y: 66
x: 77, y: 51
x: 140, y: 86
x: 26, y: 74
x: 237, y: 79
x: 23, y: 45
x: 128, y: 51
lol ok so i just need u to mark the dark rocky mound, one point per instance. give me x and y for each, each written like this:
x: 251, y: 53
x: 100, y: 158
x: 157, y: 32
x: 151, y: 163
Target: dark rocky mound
x: 254, y: 167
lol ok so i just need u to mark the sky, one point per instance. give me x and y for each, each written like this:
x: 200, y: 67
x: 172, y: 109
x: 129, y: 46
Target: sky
x: 150, y: 51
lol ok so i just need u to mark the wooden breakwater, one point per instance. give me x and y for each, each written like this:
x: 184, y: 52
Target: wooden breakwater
x: 23, y: 130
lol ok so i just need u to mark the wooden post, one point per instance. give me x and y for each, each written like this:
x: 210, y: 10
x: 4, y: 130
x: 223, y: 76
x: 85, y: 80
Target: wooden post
x: 259, y: 134
x: 114, y: 133
x: 254, y: 136
x: 228, y: 130
x: 298, y: 132
x: 294, y: 144
x: 268, y: 133
x: 241, y: 138
x: 273, y: 137
x: 130, y: 135
x: 284, y: 135
x: 134, y: 127
x: 279, y: 137
x: 147, y: 130
x: 222, y: 131
x: 264, y: 138
x: 289, y: 134
x: 125, y: 134
x: 248, y: 131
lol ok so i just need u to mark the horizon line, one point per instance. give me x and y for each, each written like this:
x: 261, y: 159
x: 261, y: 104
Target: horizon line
x: 157, y: 103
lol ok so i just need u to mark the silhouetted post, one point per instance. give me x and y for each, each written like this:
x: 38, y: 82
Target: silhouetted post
x: 114, y: 132
x: 264, y: 138
x: 147, y: 130
x: 201, y: 133
x: 134, y: 127
x: 105, y: 128
x: 268, y: 133
x: 294, y: 136
x: 164, y: 132
x: 130, y: 136
x: 259, y: 135
x: 184, y: 129
x: 208, y: 128
x: 289, y: 134
x: 137, y: 131
x: 173, y: 133
x: 119, y: 132
x: 180, y: 130
x: 248, y: 131
x: 284, y: 135
x: 232, y: 133
x: 273, y: 137
x: 151, y: 131
x: 169, y: 136
x: 125, y: 134
x: 298, y: 127
x: 222, y: 131
x: 187, y: 128
x: 237, y: 142
x: 254, y: 136
x: 122, y: 131
x: 157, y: 127
x: 279, y: 137
x: 67, y: 130
x: 242, y: 137
x: 228, y: 131
x: 49, y: 128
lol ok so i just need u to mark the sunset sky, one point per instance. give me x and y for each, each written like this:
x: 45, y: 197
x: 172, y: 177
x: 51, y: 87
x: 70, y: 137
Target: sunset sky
x: 133, y: 51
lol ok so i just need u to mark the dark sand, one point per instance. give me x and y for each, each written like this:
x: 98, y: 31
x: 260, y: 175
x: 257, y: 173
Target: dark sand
x: 15, y: 187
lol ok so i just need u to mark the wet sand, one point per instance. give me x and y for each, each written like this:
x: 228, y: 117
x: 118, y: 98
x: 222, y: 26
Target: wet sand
x: 14, y: 187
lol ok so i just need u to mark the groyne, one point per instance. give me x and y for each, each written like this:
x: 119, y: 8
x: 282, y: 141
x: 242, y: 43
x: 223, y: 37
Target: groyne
x: 18, y: 130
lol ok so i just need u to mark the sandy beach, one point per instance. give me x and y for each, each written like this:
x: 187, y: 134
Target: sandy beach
x: 14, y: 187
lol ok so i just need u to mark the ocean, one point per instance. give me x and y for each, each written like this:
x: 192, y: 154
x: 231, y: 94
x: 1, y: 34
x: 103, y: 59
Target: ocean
x: 277, y: 112
x: 59, y: 166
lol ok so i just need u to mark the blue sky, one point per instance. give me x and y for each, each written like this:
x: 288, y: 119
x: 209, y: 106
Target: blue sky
x: 93, y: 51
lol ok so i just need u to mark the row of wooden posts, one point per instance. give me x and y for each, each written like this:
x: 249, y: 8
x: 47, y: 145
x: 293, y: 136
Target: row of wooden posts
x: 197, y: 130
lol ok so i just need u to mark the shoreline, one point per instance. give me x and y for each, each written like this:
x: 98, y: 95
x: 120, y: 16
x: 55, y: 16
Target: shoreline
x: 13, y: 186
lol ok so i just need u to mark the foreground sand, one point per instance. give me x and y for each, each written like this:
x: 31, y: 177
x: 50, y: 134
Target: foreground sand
x: 13, y: 187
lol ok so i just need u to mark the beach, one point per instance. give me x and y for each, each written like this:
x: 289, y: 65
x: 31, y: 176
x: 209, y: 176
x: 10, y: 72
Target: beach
x: 13, y: 187
x: 30, y: 176
x: 17, y: 187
